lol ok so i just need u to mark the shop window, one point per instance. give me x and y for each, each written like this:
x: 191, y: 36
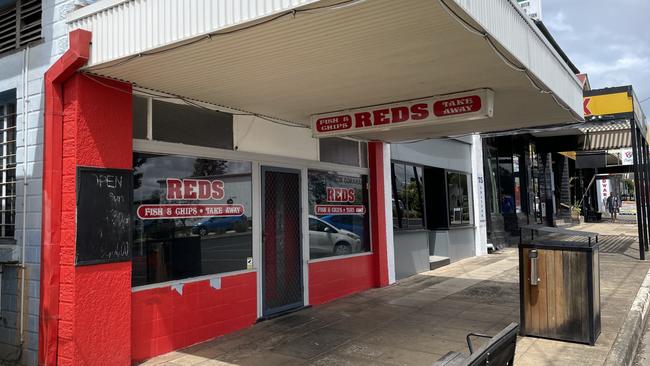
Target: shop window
x: 341, y: 151
x: 363, y: 147
x: 408, y: 196
x: 192, y: 217
x: 140, y: 113
x: 8, y: 164
x: 192, y: 125
x: 338, y: 214
x: 20, y: 23
x: 460, y: 208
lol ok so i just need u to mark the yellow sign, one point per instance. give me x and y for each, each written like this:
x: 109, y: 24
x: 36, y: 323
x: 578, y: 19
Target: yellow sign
x: 608, y: 104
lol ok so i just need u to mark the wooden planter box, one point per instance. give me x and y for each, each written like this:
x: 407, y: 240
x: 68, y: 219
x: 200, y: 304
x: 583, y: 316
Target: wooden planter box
x: 565, y: 304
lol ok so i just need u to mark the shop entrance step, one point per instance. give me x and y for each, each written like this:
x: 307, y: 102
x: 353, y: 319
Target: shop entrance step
x: 436, y: 261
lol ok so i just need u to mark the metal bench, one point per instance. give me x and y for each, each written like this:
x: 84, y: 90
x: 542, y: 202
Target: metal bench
x: 499, y: 351
x: 555, y: 230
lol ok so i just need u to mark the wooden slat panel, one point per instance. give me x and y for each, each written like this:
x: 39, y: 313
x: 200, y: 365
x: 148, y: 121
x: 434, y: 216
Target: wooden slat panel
x: 596, y: 279
x: 526, y: 287
x: 542, y: 304
x: 551, y: 290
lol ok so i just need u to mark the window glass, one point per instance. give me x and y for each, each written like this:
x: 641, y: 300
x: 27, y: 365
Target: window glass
x: 338, y: 214
x: 364, y: 154
x: 460, y: 212
x: 7, y: 165
x: 140, y: 112
x: 408, y: 196
x: 339, y: 151
x: 192, y: 125
x: 192, y: 217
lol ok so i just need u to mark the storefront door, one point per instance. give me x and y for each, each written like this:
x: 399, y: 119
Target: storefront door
x: 282, y: 254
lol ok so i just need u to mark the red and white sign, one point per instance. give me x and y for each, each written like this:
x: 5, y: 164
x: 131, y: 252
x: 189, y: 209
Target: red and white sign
x: 320, y: 210
x: 336, y: 194
x: 194, y: 189
x: 472, y: 105
x: 185, y: 211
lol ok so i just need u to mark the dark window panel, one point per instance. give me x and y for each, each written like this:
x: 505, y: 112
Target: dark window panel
x: 339, y: 151
x: 192, y: 125
x: 140, y: 113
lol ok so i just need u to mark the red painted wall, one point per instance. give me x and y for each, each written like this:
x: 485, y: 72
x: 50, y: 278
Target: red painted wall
x: 377, y: 212
x: 95, y: 301
x: 329, y: 280
x: 164, y: 320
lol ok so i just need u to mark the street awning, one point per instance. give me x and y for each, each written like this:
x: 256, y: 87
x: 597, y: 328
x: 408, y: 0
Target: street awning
x: 293, y: 59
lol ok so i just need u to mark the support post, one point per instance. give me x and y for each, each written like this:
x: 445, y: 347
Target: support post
x: 646, y: 166
x: 637, y: 190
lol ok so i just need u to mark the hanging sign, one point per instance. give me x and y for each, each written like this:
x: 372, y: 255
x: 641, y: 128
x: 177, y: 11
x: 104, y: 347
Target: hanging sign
x: 472, y: 105
x: 627, y: 158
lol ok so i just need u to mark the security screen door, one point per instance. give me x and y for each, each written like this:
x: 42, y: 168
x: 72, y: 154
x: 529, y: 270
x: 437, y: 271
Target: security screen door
x: 281, y: 238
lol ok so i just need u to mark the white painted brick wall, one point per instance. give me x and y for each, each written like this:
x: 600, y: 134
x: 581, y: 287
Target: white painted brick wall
x: 42, y: 55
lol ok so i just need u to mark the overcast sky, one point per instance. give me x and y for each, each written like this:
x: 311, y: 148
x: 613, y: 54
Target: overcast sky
x: 609, y: 40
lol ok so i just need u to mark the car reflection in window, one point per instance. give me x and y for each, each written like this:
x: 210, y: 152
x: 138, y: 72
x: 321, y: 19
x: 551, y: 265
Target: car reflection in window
x: 221, y: 225
x: 327, y: 240
x: 353, y: 223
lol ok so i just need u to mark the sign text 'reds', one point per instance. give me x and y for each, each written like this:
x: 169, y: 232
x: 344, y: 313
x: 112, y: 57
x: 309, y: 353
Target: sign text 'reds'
x: 472, y: 105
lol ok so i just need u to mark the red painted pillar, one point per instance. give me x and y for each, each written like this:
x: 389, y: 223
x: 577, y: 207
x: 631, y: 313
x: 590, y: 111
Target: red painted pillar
x: 61, y: 70
x: 85, y: 310
x: 378, y: 211
x: 95, y: 325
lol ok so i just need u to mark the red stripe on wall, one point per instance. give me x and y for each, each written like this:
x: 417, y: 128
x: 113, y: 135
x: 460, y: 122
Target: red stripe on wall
x: 164, y: 320
x: 331, y: 279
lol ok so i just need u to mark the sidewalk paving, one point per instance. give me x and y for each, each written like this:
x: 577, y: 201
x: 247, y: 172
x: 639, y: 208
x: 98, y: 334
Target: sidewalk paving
x: 423, y: 317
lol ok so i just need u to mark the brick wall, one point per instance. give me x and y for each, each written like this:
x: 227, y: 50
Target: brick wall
x: 329, y: 280
x: 165, y: 319
x: 29, y: 164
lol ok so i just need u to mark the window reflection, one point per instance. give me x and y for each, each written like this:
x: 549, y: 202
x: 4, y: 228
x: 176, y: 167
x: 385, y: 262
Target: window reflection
x: 459, y: 199
x: 408, y: 196
x: 339, y: 219
x: 192, y: 217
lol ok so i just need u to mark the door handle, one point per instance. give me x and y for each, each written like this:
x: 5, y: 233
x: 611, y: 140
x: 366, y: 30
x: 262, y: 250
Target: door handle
x: 534, y: 275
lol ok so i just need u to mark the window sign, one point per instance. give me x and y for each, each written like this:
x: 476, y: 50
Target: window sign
x: 338, y: 214
x: 192, y: 217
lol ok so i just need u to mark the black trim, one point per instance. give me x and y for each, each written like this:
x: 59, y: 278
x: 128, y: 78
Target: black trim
x: 605, y: 91
x: 540, y: 25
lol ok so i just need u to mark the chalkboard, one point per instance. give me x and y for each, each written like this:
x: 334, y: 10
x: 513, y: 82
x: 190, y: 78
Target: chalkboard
x: 104, y: 222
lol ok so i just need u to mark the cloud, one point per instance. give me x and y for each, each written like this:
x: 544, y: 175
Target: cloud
x: 626, y: 64
x: 557, y: 22
x: 608, y: 40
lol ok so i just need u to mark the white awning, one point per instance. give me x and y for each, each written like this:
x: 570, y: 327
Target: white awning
x: 293, y: 59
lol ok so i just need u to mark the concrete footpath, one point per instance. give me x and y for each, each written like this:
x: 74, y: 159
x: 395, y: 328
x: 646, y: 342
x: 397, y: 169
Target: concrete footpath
x: 423, y: 317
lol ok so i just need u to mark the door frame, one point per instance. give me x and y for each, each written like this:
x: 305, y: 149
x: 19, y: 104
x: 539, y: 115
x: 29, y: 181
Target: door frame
x: 300, y: 172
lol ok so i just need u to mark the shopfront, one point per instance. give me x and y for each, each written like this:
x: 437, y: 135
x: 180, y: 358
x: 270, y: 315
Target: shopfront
x: 262, y: 174
x: 233, y: 236
x: 436, y: 213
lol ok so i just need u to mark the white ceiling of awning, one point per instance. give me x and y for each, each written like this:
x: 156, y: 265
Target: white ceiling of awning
x: 376, y: 52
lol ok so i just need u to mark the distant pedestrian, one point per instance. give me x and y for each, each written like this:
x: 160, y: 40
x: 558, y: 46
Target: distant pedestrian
x: 612, y: 204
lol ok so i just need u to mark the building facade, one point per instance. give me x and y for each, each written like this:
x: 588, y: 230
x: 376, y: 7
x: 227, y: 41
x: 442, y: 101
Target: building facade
x: 34, y: 35
x: 165, y: 196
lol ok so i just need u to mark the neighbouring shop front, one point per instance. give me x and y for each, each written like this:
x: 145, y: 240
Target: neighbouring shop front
x: 436, y: 214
